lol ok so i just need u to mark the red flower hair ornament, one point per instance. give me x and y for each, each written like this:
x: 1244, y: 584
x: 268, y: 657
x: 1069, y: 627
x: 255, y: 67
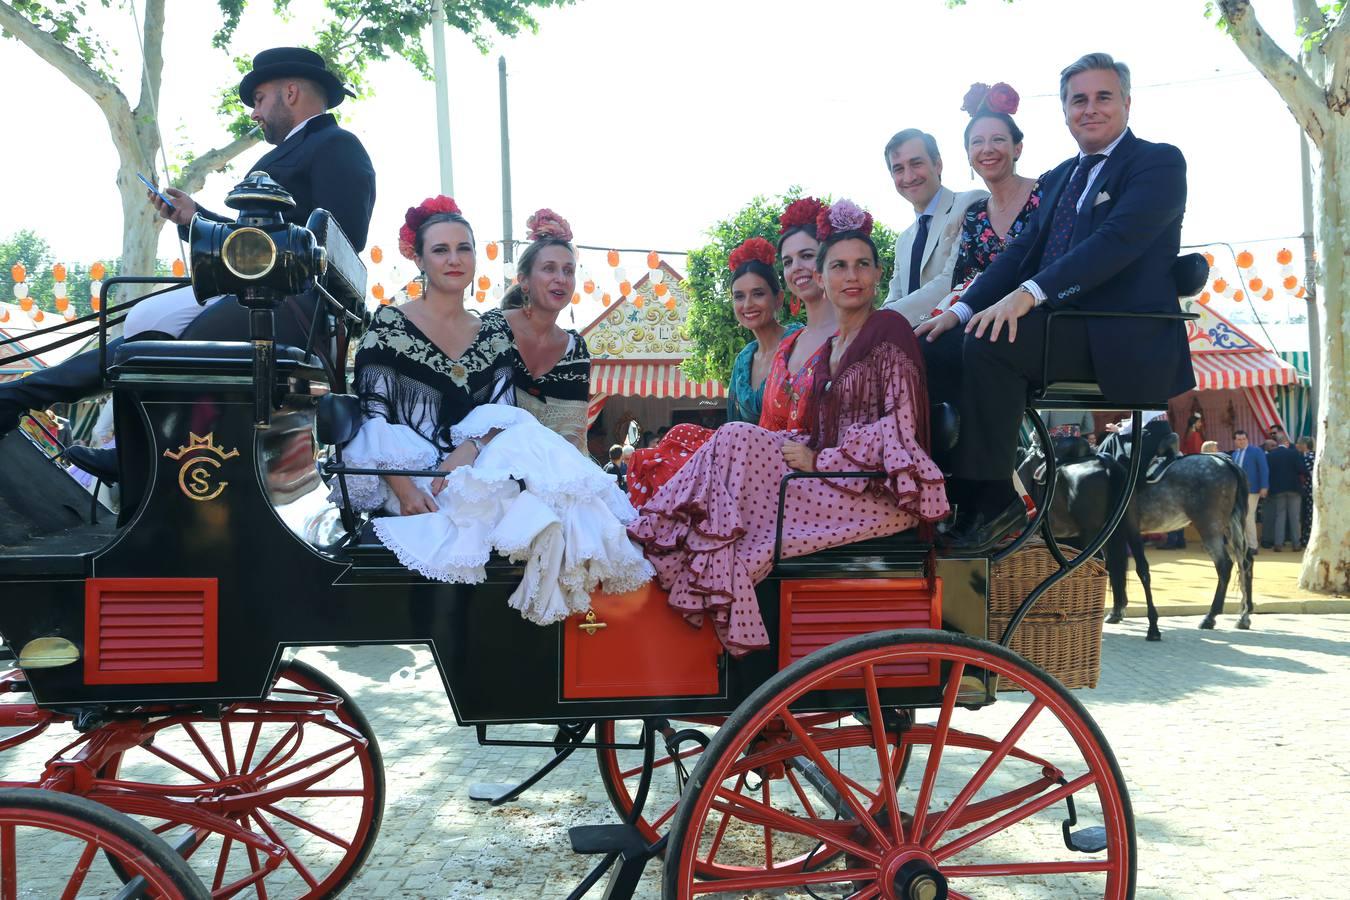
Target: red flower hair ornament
x: 844, y: 215
x: 545, y: 223
x: 416, y: 215
x: 798, y: 213
x: 1001, y: 98
x: 753, y: 248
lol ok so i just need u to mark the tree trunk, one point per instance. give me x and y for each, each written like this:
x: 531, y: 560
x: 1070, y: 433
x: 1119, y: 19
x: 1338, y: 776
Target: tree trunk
x: 141, y: 224
x: 1326, y: 565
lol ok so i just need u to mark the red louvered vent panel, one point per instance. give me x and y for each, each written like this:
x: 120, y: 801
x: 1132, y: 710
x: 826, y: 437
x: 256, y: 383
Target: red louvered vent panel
x: 149, y: 630
x: 817, y: 613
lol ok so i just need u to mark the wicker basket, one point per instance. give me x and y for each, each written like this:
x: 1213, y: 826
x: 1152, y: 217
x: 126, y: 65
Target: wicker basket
x: 1063, y: 632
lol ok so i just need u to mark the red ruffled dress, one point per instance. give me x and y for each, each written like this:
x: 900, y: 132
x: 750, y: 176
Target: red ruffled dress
x: 652, y: 467
x: 788, y: 397
x: 710, y: 531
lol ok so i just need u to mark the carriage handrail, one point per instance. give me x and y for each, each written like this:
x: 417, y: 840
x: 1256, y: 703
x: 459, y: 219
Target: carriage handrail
x: 103, y: 310
x: 782, y: 499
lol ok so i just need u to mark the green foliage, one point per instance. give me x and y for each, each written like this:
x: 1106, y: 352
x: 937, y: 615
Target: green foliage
x: 711, y: 325
x: 66, y: 21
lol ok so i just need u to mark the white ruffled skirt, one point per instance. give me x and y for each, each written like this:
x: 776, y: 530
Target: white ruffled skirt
x: 567, y: 523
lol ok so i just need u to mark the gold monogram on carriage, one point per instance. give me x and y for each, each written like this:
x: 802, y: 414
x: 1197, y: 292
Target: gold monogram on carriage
x: 196, y: 477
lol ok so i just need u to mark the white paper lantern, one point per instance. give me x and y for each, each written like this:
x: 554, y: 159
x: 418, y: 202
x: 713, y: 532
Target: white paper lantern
x: 59, y: 289
x: 20, y: 291
x: 509, y: 270
x: 620, y: 273
x: 656, y: 275
x: 94, y: 288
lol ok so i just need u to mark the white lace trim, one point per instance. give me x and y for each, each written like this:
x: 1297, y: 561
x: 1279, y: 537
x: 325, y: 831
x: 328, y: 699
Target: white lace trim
x: 465, y: 569
x: 488, y: 417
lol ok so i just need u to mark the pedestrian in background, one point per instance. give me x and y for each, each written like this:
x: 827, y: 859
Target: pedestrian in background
x: 1252, y: 461
x: 1286, y: 473
x: 1308, y: 449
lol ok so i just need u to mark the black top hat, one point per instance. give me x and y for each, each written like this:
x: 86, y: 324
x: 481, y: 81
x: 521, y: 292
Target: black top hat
x: 281, y: 62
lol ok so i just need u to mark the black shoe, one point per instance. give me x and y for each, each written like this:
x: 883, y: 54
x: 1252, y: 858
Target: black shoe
x: 982, y: 531
x: 102, y: 464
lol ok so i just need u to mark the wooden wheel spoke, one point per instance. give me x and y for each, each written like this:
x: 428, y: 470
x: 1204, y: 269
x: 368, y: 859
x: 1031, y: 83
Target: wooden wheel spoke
x: 982, y: 775
x: 291, y: 858
x: 9, y: 875
x: 1012, y: 818
x: 867, y: 893
x: 726, y: 820
x: 1008, y: 870
x: 887, y: 788
x: 834, y: 777
x: 833, y: 833
x: 251, y: 746
x: 258, y: 886
x: 767, y: 795
x: 801, y: 794
x: 663, y: 761
x: 944, y: 724
x: 76, y: 880
x: 284, y: 743
x: 766, y: 880
x: 308, y: 826
x: 205, y: 751
x: 306, y: 763
x: 222, y: 861
x: 227, y: 741
x: 179, y: 764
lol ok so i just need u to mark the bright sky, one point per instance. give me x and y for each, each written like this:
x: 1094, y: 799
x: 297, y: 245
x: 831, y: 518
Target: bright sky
x: 643, y: 122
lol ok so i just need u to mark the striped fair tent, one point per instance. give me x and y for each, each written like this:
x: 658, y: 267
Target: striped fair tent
x: 1294, y: 401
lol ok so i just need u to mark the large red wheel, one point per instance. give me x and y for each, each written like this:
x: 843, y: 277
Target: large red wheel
x: 989, y: 805
x: 286, y: 794
x: 61, y: 845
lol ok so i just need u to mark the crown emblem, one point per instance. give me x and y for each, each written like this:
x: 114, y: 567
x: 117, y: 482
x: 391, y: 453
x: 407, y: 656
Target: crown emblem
x: 197, y: 442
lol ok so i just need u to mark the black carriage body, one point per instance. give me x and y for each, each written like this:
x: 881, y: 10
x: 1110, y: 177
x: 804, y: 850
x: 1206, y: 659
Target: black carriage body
x: 227, y: 556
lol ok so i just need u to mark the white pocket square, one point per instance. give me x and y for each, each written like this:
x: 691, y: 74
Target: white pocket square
x: 1101, y: 198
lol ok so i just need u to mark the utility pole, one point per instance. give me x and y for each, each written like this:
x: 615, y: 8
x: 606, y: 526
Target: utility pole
x: 507, y: 246
x: 442, y: 97
x: 1310, y: 274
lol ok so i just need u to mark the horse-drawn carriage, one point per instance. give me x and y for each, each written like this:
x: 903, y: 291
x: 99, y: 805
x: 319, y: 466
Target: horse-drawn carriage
x: 878, y: 748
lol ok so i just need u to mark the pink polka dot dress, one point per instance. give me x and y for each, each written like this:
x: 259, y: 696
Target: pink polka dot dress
x: 709, y: 531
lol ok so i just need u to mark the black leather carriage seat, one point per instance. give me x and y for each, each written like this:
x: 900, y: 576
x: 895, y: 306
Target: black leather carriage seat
x: 200, y: 357
x: 337, y: 419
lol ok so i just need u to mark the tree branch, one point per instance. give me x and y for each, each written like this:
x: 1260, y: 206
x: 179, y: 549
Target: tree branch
x: 107, y: 95
x: 195, y: 172
x: 1309, y: 15
x: 152, y: 32
x: 1304, y: 97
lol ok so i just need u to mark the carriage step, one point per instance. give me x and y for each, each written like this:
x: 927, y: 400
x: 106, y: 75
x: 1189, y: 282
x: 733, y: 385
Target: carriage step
x: 1088, y: 840
x: 594, y: 839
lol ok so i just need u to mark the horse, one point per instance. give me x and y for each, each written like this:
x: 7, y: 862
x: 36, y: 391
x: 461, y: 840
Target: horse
x: 1207, y: 490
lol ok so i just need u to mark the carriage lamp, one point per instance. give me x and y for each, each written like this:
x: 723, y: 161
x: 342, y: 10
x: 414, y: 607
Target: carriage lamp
x: 261, y: 259
x: 48, y: 653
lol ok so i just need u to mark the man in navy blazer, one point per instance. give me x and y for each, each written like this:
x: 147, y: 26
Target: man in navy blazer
x: 1252, y: 460
x: 1104, y: 239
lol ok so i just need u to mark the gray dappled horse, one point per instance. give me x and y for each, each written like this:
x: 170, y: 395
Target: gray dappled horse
x: 1205, y: 490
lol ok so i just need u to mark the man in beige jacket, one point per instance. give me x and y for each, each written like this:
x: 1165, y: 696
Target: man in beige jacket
x: 925, y: 252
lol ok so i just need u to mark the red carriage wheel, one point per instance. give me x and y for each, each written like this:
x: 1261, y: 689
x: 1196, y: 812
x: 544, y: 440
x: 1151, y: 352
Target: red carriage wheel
x: 299, y: 773
x: 1020, y: 795
x: 50, y: 846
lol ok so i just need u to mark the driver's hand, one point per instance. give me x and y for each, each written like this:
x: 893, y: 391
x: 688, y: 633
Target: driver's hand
x: 184, y: 207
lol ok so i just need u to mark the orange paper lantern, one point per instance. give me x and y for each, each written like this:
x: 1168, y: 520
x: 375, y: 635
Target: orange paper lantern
x: 653, y: 260
x: 1220, y: 286
x: 4, y: 315
x: 1237, y: 296
x: 94, y: 303
x: 62, y: 303
x: 377, y: 291
x: 1290, y: 283
x: 59, y: 272
x: 484, y: 282
x: 480, y: 296
x: 38, y: 316
x: 638, y: 301
x: 1285, y: 256
x: 1245, y: 260
x: 26, y: 304
x: 661, y: 290
x: 18, y: 272
x: 414, y: 290
x: 376, y: 255
x: 576, y: 298
x: 1204, y: 298
x: 1301, y: 292
x: 385, y: 301
x: 97, y: 271
x: 613, y: 258
x: 179, y: 270
x: 492, y: 249
x: 1255, y: 285
x: 606, y: 299
x: 1209, y: 258
x: 1269, y: 294
x: 670, y: 304
x: 588, y: 286
x: 625, y: 287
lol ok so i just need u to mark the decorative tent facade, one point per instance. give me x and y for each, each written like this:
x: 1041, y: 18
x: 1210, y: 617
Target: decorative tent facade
x: 636, y: 346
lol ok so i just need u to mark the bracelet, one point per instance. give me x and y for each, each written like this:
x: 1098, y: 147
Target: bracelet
x: 477, y: 445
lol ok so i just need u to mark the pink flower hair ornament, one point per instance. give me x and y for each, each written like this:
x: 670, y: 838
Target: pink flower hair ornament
x: 844, y: 215
x: 416, y: 215
x: 545, y: 223
x: 1001, y: 98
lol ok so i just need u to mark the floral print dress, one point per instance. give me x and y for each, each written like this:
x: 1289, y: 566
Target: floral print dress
x: 980, y: 243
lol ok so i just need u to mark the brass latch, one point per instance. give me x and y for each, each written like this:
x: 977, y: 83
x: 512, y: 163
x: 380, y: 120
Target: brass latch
x: 591, y: 626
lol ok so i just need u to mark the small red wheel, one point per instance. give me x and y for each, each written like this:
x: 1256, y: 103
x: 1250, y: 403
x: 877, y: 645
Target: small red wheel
x: 300, y: 770
x: 50, y: 846
x: 992, y: 801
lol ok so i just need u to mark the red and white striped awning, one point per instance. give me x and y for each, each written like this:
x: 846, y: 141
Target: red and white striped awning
x: 649, y: 379
x: 1220, y: 370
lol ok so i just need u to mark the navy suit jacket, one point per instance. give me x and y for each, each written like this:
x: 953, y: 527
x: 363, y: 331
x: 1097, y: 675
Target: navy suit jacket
x: 322, y: 167
x: 1286, y: 466
x: 1125, y: 241
x: 1257, y: 469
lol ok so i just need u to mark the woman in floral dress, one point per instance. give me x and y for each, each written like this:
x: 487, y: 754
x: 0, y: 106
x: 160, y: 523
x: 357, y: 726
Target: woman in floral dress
x: 710, y: 531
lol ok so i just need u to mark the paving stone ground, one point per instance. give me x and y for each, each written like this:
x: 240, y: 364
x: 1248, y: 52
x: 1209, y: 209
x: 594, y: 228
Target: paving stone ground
x: 1235, y: 747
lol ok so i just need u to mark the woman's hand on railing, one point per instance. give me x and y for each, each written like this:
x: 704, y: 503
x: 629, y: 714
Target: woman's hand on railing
x: 412, y: 500
x: 463, y: 455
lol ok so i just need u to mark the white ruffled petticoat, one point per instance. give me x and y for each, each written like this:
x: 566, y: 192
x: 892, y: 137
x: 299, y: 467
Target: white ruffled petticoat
x: 566, y: 525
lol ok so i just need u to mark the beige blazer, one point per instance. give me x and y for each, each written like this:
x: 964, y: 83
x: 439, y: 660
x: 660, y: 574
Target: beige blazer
x: 939, y: 257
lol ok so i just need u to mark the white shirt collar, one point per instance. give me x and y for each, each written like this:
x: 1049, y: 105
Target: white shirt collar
x: 1109, y: 147
x: 296, y: 129
x: 931, y: 209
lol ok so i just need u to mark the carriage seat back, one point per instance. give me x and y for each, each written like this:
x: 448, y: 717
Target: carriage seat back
x: 200, y: 357
x: 944, y: 428
x: 337, y: 419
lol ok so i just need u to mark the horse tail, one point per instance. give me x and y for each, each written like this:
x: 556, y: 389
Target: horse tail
x: 1236, y: 539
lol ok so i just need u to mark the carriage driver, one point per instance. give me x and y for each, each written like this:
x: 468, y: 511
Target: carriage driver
x: 321, y: 165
